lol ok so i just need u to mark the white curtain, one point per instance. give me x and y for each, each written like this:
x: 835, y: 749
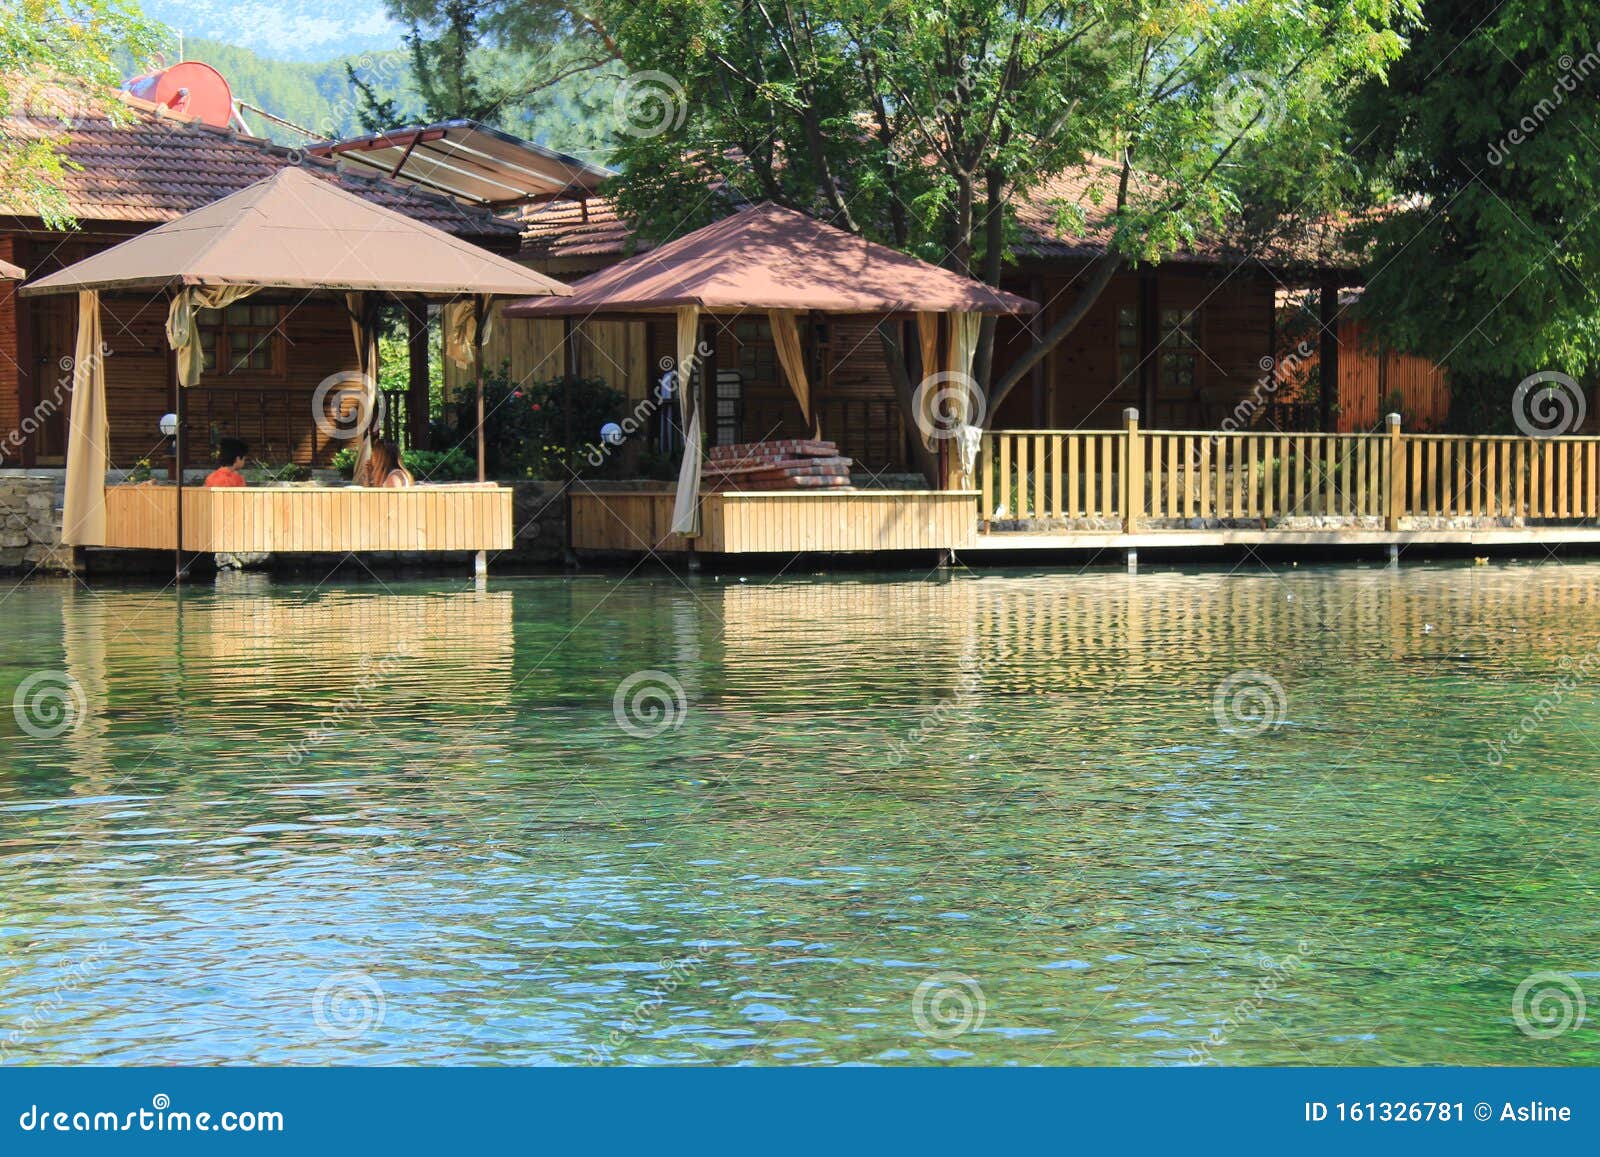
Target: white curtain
x: 686, y: 506
x: 786, y: 338
x: 83, y: 519
x: 183, y: 324
x: 964, y: 328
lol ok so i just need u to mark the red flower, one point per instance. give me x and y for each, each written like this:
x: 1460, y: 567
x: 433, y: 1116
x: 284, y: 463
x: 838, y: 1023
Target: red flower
x: 536, y: 405
x: 516, y: 393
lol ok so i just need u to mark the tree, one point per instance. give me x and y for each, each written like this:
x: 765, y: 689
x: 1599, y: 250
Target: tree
x: 925, y: 124
x: 1487, y: 131
x: 485, y: 61
x: 54, y: 55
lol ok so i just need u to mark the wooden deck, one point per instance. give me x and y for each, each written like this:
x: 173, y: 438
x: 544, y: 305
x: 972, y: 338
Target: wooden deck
x: 311, y: 520
x: 779, y: 522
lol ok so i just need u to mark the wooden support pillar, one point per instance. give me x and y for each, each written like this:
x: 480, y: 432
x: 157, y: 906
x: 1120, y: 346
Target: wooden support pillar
x: 177, y: 474
x: 417, y: 413
x: 1328, y: 310
x: 1133, y: 471
x: 1149, y: 344
x: 1395, y: 508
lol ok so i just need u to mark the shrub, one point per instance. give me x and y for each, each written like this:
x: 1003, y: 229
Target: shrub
x: 525, y: 425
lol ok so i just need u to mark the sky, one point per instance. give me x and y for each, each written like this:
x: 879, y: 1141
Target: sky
x: 283, y: 29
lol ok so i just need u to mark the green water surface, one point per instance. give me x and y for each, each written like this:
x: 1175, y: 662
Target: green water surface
x: 1265, y: 817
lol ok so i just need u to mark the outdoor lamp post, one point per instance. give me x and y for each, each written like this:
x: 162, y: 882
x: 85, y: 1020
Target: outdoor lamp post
x: 169, y: 431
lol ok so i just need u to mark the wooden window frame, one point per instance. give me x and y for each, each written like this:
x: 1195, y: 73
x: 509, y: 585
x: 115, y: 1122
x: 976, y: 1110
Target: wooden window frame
x: 277, y: 346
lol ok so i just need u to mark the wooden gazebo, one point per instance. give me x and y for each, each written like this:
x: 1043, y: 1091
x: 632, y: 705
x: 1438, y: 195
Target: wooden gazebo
x: 781, y: 264
x: 291, y: 231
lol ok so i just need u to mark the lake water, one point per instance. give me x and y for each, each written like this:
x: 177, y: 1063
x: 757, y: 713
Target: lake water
x: 1264, y: 817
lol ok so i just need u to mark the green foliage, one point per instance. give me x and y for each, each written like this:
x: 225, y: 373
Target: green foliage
x: 259, y: 473
x: 314, y: 95
x: 525, y: 426
x: 520, y: 67
x: 54, y: 54
x: 921, y: 123
x: 452, y: 465
x: 1487, y: 129
x: 344, y: 461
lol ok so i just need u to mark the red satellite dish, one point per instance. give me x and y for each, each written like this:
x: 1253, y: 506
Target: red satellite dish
x: 192, y: 88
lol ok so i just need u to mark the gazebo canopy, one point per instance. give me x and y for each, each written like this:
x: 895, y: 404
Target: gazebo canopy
x: 10, y: 272
x: 295, y: 231
x: 772, y: 258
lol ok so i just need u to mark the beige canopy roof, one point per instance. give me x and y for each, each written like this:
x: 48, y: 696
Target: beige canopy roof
x: 294, y: 231
x: 770, y: 257
x: 10, y: 272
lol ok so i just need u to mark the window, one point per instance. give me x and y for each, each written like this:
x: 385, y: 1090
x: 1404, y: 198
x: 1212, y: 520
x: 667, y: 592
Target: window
x: 246, y: 337
x: 1179, y: 349
x: 1127, y: 342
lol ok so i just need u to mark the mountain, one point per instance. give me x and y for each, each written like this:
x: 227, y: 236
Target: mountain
x: 297, y: 30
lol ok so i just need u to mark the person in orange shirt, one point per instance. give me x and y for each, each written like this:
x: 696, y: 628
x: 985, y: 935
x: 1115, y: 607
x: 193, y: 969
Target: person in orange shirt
x: 233, y: 454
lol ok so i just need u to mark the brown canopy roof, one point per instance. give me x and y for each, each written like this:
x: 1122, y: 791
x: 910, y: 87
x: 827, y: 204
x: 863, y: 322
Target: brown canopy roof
x: 10, y: 272
x: 770, y: 257
x: 294, y: 231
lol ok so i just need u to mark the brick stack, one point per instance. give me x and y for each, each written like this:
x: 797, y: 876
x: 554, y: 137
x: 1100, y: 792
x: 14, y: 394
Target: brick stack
x: 790, y: 464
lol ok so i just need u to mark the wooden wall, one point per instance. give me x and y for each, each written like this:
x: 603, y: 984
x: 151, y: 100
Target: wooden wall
x: 1370, y: 377
x: 1082, y: 381
x: 273, y: 414
x: 10, y: 357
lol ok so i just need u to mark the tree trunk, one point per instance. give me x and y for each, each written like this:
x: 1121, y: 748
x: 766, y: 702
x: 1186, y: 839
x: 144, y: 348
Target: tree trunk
x: 994, y: 251
x: 1104, y: 268
x: 905, y: 392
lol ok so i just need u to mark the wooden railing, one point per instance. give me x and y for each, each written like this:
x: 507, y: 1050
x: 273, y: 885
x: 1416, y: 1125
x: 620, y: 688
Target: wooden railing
x: 1136, y: 475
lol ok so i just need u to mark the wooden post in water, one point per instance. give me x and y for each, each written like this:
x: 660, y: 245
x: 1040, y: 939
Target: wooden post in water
x: 177, y: 471
x: 1133, y: 471
x: 1395, y: 507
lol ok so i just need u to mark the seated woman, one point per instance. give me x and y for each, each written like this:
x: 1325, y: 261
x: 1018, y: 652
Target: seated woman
x: 383, y: 467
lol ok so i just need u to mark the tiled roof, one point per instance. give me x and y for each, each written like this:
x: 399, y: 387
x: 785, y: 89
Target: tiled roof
x: 155, y: 167
x: 558, y: 229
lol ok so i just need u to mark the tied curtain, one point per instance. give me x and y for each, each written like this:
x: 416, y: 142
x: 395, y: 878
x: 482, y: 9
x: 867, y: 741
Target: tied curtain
x: 183, y: 324
x: 83, y: 519
x: 786, y: 339
x: 364, y: 328
x: 964, y: 328
x: 463, y: 335
x: 686, y: 505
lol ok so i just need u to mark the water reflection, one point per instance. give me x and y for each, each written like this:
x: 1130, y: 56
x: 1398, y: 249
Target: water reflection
x: 1018, y: 779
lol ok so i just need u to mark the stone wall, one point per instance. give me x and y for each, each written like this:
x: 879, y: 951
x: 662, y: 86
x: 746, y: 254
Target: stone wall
x: 30, y: 522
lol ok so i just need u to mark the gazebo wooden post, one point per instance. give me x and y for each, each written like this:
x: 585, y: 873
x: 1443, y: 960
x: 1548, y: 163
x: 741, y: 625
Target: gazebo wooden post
x: 177, y: 467
x: 480, y: 562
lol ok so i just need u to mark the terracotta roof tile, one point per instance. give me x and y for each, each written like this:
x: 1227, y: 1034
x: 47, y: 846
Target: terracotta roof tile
x: 156, y: 167
x: 557, y: 230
